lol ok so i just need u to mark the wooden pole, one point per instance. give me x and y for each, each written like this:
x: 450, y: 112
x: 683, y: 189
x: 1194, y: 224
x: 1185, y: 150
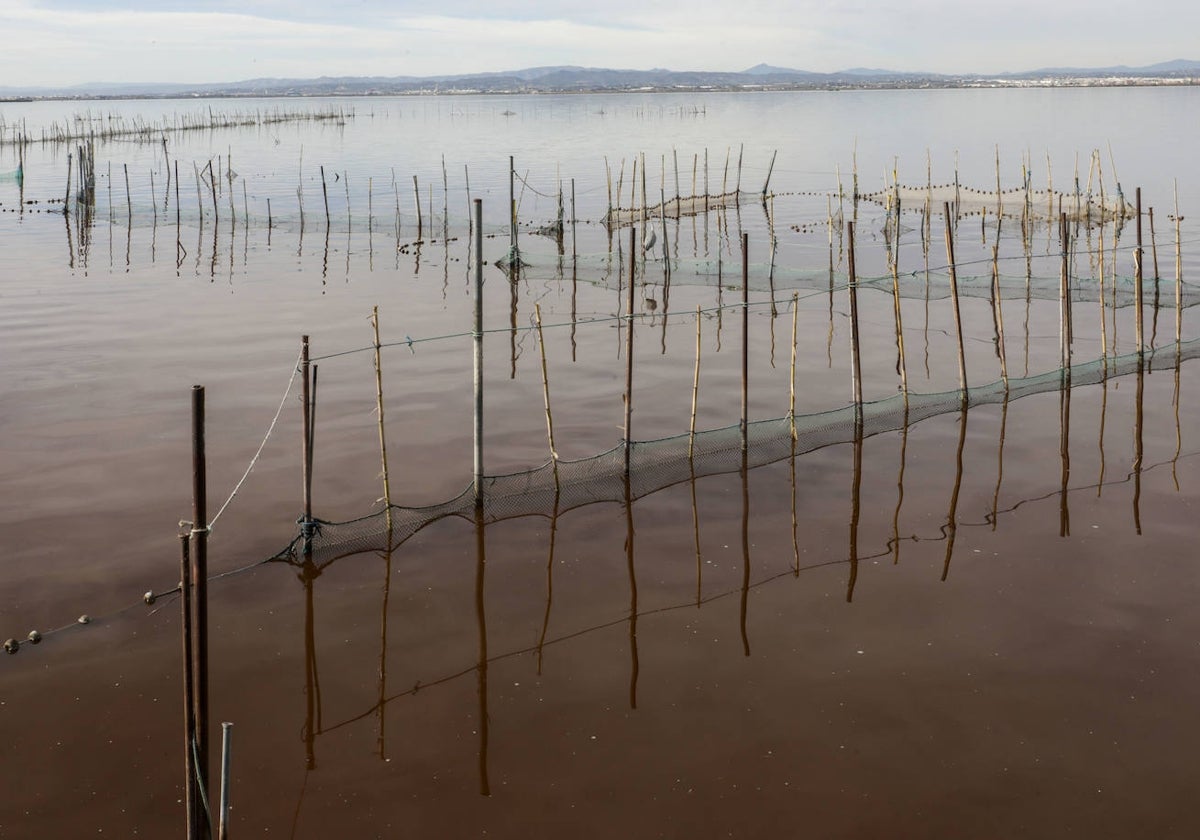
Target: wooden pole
x: 792, y: 379
x: 478, y: 353
x: 1137, y: 275
x: 962, y: 358
x: 199, y: 579
x: 999, y: 312
x: 226, y: 756
x: 629, y: 348
x: 695, y: 390
x: 417, y: 206
x: 1178, y: 281
x: 191, y: 800
x: 537, y: 318
x: 855, y: 358
x: 306, y: 432
x: 387, y: 490
x: 896, y: 305
x: 745, y: 341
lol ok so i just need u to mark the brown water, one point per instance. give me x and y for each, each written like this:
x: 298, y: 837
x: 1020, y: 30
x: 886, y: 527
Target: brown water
x: 975, y: 625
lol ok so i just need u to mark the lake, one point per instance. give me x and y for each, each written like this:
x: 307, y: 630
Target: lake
x: 939, y: 618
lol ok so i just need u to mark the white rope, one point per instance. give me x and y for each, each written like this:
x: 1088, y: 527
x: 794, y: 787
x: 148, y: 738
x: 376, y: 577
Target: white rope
x: 261, y: 446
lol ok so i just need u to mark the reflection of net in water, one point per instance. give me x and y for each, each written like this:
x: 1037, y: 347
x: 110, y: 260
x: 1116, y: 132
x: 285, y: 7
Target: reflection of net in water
x: 556, y: 487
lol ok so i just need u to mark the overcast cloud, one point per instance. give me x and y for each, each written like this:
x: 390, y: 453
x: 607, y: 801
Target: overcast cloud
x: 67, y: 42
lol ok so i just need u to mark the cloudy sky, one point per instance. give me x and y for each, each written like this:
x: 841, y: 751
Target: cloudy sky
x: 66, y: 42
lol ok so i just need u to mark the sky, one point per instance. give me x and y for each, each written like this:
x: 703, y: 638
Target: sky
x: 67, y: 42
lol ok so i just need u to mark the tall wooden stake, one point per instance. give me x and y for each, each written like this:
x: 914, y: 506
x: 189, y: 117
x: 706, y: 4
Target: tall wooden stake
x: 745, y: 341
x: 1137, y: 276
x: 199, y: 581
x: 962, y: 357
x: 387, y: 490
x: 478, y: 361
x: 855, y: 358
x: 629, y: 348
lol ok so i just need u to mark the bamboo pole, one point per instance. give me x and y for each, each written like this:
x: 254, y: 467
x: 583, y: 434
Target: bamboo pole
x: 1178, y: 278
x: 629, y: 348
x: 537, y: 318
x: 770, y: 169
x: 1153, y: 247
x: 896, y: 307
x: 417, y: 206
x: 477, y: 341
x: 792, y: 378
x: 387, y: 490
x: 962, y: 358
x: 325, y: 195
x: 999, y: 310
x: 855, y: 359
x: 1137, y: 276
x: 226, y: 757
x: 695, y: 389
x: 745, y: 424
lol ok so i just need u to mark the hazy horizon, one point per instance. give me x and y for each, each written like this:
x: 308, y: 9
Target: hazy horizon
x: 66, y: 43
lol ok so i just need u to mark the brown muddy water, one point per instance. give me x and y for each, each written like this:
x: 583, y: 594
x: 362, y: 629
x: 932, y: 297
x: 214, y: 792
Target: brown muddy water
x: 963, y: 622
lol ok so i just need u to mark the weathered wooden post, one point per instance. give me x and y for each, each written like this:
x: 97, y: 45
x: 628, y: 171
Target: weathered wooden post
x: 199, y: 586
x: 478, y: 353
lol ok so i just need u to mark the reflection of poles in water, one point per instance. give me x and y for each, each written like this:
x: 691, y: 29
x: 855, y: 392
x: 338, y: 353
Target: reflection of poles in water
x: 855, y: 507
x: 745, y: 476
x: 952, y: 516
x: 795, y: 522
x: 1064, y: 448
x: 383, y: 640
x: 998, y: 310
x: 312, y: 681
x: 696, y: 536
x: 481, y: 668
x: 549, y: 579
x: 900, y: 490
x: 1137, y: 449
x: 1000, y: 461
x: 1178, y: 428
x: 633, y: 613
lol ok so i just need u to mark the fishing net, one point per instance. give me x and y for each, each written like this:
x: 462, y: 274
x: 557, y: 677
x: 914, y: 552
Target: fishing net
x: 559, y: 486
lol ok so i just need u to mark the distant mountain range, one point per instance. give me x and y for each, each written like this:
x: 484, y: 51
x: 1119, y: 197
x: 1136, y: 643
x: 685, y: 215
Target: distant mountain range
x: 591, y: 79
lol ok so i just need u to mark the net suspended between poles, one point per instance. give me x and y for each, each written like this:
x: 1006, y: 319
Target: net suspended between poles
x: 557, y: 487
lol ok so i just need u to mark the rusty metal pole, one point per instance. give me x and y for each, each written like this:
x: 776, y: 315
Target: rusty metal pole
x: 199, y: 581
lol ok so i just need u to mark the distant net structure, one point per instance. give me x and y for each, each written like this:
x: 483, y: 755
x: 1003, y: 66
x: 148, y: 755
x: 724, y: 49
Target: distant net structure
x: 1016, y: 203
x: 556, y: 487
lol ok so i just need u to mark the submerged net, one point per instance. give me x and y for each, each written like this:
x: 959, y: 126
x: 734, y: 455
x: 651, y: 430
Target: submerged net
x: 557, y: 487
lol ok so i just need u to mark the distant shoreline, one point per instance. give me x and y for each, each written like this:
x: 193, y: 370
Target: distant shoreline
x: 314, y: 92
